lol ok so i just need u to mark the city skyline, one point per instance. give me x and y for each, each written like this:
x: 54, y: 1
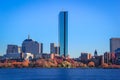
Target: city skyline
x: 91, y: 23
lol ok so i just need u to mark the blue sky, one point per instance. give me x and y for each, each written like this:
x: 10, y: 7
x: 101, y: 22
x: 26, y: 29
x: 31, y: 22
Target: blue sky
x: 91, y: 23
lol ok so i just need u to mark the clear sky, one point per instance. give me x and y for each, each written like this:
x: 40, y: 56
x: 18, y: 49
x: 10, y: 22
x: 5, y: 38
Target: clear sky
x: 91, y: 23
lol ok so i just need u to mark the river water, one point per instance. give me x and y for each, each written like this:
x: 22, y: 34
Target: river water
x: 59, y: 74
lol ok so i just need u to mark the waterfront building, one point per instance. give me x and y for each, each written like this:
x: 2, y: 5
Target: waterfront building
x: 114, y: 44
x: 63, y: 33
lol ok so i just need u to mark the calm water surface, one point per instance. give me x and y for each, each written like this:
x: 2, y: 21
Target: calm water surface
x: 59, y: 74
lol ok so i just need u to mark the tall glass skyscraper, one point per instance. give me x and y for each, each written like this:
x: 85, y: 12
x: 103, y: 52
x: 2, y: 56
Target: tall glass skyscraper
x: 63, y: 33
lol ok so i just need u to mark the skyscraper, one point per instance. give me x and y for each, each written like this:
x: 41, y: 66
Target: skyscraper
x: 63, y: 33
x: 41, y: 47
x: 114, y: 44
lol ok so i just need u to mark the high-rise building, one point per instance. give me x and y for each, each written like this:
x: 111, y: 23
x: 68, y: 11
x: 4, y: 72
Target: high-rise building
x: 12, y: 49
x: 30, y: 46
x: 41, y: 47
x: 114, y: 44
x: 63, y: 33
x: 52, y: 48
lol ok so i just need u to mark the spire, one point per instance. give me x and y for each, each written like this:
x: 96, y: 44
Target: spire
x: 28, y: 36
x: 95, y: 53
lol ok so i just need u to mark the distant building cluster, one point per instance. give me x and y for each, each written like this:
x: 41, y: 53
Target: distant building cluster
x: 31, y: 49
x: 112, y: 57
x: 34, y: 49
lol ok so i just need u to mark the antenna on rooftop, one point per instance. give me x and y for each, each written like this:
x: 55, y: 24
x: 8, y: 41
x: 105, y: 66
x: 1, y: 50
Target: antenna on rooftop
x: 28, y: 36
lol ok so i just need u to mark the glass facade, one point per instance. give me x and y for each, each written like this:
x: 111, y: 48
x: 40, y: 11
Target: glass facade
x: 63, y: 33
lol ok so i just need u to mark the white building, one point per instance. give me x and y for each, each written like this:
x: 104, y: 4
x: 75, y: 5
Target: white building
x: 28, y: 56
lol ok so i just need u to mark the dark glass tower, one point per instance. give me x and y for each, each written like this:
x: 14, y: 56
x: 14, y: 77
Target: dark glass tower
x: 63, y: 33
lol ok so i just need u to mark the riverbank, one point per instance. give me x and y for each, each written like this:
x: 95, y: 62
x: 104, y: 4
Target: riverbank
x: 54, y: 63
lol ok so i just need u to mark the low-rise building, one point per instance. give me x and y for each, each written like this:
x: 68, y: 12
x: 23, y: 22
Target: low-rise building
x: 12, y: 56
x: 45, y: 55
x: 28, y: 56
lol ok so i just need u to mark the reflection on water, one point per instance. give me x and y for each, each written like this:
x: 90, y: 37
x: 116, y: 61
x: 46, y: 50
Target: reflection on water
x: 59, y: 74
